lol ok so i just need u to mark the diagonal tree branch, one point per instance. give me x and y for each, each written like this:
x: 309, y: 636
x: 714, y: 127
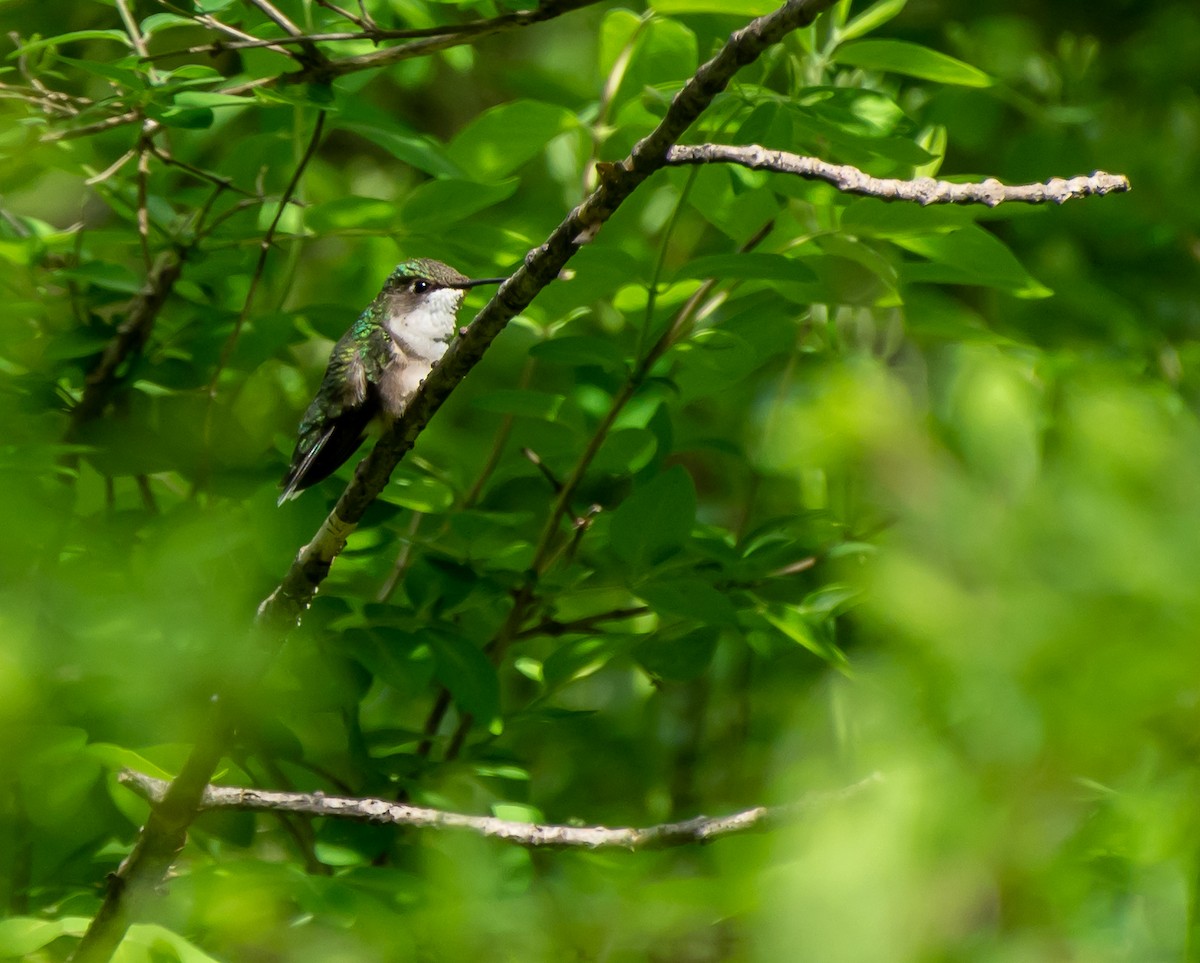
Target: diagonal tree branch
x: 921, y: 190
x: 164, y: 833
x: 542, y: 265
x: 699, y: 829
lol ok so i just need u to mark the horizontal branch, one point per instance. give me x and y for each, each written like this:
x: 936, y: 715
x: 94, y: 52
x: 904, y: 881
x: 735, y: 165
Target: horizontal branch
x: 700, y: 829
x: 922, y: 190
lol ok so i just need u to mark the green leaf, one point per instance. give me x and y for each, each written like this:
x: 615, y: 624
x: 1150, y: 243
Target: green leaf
x: 500, y: 140
x: 416, y: 150
x: 159, y: 939
x: 711, y: 361
x: 876, y: 218
x: 352, y: 213
x: 874, y: 16
x: 625, y: 451
x: 795, y: 624
x: 21, y: 936
x: 420, y: 493
x: 120, y: 36
x: 117, y: 757
x: 733, y: 8
x: 910, y: 59
x: 527, y: 404
x: 655, y: 522
x: 204, y: 98
x: 678, y: 659
x: 829, y: 600
x: 746, y: 267
x: 616, y: 31
x: 164, y: 21
x: 105, y: 274
x: 861, y: 113
x: 580, y: 350
x: 437, y: 204
x: 466, y: 672
x: 579, y: 658
x: 188, y: 118
x: 690, y: 598
x: 970, y: 255
x: 663, y: 53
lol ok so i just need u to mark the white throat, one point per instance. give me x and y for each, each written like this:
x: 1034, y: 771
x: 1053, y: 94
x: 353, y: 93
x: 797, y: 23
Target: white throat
x: 428, y: 328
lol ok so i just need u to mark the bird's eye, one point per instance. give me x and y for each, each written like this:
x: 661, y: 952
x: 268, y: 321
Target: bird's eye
x: 420, y: 286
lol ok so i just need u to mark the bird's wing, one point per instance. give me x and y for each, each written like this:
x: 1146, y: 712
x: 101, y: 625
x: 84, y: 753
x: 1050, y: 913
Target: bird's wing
x: 334, y: 425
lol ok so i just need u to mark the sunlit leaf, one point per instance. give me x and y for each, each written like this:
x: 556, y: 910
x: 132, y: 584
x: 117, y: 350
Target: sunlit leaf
x: 901, y: 57
x: 655, y: 521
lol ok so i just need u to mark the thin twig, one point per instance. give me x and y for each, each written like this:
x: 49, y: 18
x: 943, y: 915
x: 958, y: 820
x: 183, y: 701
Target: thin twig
x: 554, y: 628
x: 346, y: 14
x: 131, y: 27
x: 213, y: 23
x: 264, y: 250
x: 143, y: 210
x: 699, y: 829
x: 502, y: 435
x: 458, y: 33
x: 275, y: 14
x: 402, y: 559
x: 108, y: 123
x: 197, y: 172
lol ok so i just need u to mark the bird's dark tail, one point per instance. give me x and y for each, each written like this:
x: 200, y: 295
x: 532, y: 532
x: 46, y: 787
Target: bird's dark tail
x: 333, y: 446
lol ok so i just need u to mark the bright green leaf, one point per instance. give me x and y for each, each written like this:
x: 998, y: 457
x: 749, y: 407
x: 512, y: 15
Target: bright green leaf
x: 747, y: 267
x: 352, y: 213
x: 120, y: 36
x: 500, y: 140
x: 874, y: 16
x: 970, y: 255
x: 580, y: 350
x: 732, y: 8
x: 913, y: 60
x: 655, y: 521
x: 204, y: 98
x: 678, y: 659
x: 420, y: 493
x: 437, y: 204
x: 471, y: 678
x: 690, y: 598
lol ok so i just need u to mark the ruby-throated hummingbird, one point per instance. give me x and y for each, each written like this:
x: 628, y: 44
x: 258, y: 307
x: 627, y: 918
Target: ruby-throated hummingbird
x: 377, y: 366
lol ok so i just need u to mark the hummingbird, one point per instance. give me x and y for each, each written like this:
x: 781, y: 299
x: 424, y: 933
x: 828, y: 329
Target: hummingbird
x: 377, y: 366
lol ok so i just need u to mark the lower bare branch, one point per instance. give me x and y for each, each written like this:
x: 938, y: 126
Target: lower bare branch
x: 922, y: 190
x: 700, y: 829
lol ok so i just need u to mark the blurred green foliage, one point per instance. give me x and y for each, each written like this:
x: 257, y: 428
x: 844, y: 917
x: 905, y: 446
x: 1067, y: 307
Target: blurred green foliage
x: 913, y: 493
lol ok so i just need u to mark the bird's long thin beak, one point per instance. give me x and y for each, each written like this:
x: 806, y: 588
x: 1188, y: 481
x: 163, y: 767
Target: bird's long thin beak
x: 476, y: 282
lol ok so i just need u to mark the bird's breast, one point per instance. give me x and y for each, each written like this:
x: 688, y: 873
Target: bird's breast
x: 400, y: 379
